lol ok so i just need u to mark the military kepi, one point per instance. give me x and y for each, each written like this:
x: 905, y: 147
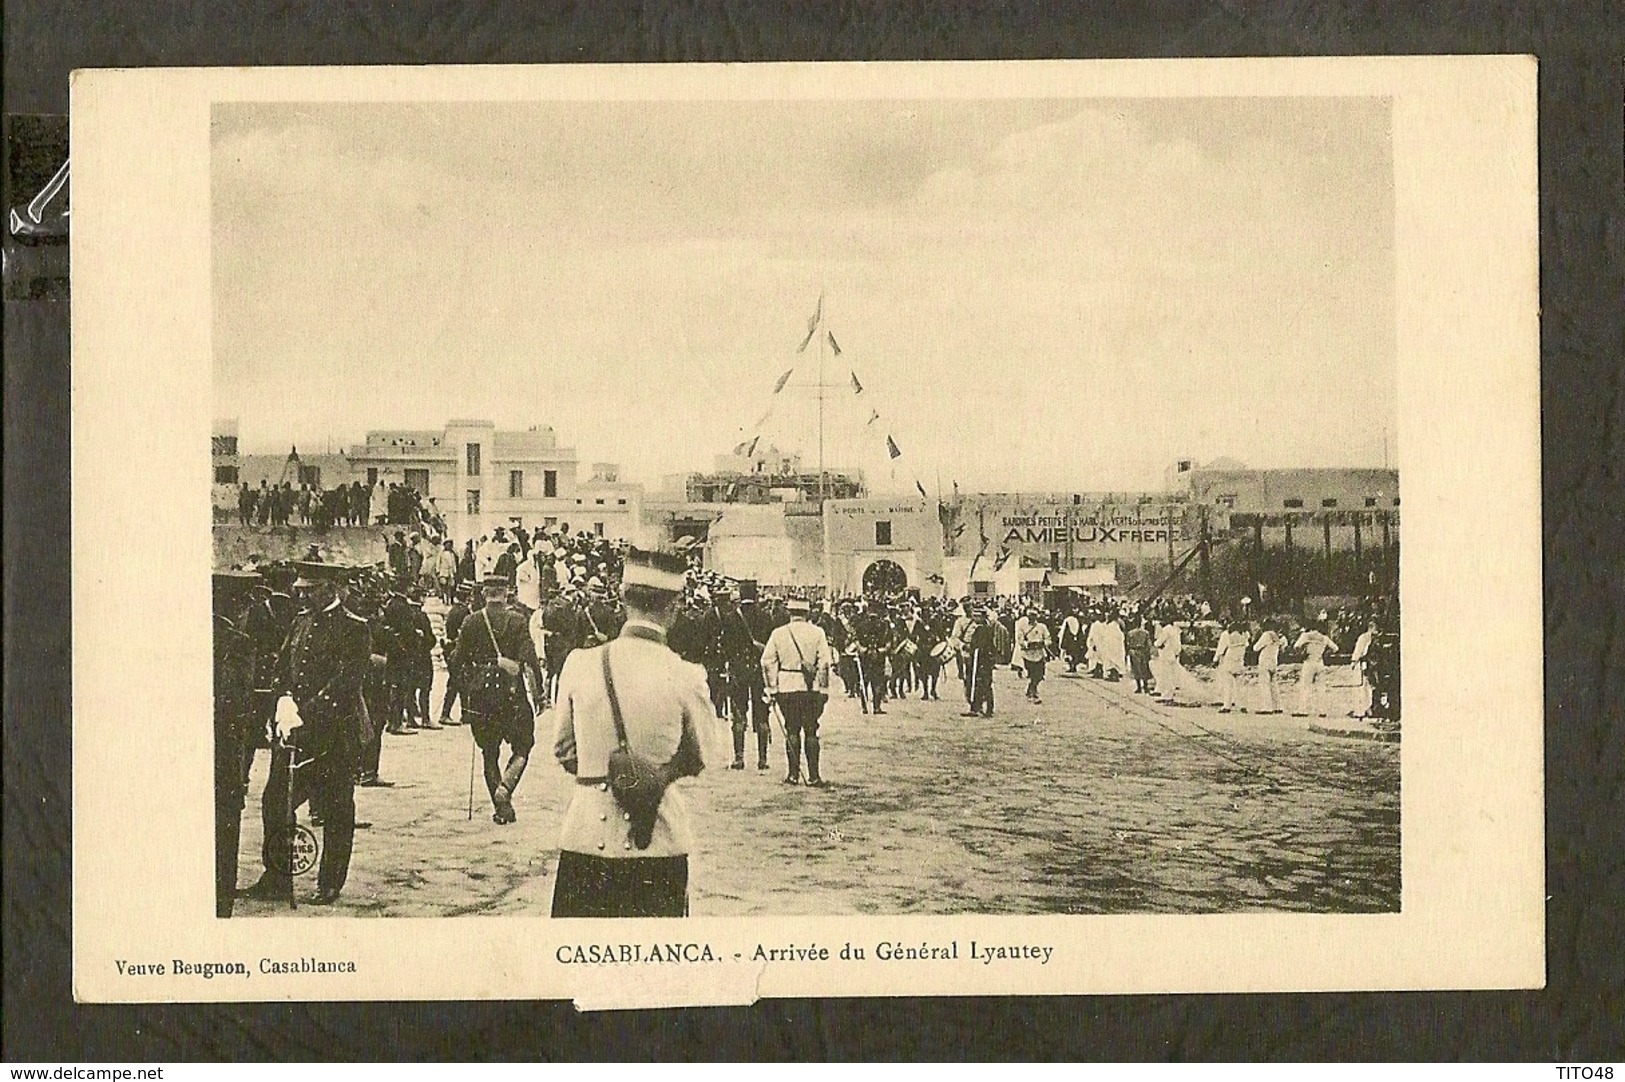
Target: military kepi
x: 655, y: 570
x: 228, y: 584
x: 312, y: 571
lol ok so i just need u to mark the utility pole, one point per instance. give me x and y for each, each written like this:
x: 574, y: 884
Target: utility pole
x: 1205, y: 562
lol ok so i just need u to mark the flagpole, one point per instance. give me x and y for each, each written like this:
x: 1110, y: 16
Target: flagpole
x: 823, y: 510
x: 821, y: 334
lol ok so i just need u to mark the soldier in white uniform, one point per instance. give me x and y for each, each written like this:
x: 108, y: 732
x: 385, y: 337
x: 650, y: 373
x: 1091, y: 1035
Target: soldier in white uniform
x: 1171, y: 674
x: 1228, y: 659
x: 1314, y: 643
x: 1113, y: 655
x: 1359, y: 663
x: 1268, y: 647
x: 663, y: 702
x: 795, y: 673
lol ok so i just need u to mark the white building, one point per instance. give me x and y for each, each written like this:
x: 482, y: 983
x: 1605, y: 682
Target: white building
x: 480, y: 478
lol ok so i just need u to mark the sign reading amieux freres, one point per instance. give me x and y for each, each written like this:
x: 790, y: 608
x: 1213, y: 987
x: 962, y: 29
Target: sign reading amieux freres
x: 1118, y: 526
x: 1125, y: 530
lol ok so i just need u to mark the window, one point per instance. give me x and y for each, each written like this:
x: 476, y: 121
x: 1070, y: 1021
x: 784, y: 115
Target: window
x: 372, y: 476
x: 1054, y: 559
x: 225, y: 475
x: 516, y: 484
x: 620, y: 503
x: 1292, y: 503
x: 599, y: 501
x: 1227, y: 500
x: 224, y: 445
x: 310, y: 475
x: 473, y: 501
x: 1328, y: 502
x: 473, y: 460
x: 550, y: 483
x: 883, y: 533
x: 550, y: 521
x: 1076, y: 499
x: 598, y: 528
x: 418, y: 479
x: 1371, y: 501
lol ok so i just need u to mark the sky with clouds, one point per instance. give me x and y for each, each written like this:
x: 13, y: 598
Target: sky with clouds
x: 1035, y: 294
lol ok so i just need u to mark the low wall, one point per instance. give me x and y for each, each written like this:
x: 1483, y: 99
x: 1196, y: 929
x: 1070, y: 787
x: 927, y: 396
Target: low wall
x: 233, y: 544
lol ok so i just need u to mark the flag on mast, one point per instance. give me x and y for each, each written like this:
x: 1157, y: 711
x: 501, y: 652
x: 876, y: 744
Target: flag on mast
x: 892, y: 449
x: 971, y: 575
x: 812, y: 324
x: 1002, y: 559
x: 834, y: 345
x: 751, y: 450
x: 921, y: 488
x: 874, y: 415
x: 779, y: 386
x: 856, y: 386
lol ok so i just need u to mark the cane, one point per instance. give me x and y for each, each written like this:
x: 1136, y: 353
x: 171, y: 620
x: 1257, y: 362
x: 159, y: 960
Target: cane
x: 777, y: 713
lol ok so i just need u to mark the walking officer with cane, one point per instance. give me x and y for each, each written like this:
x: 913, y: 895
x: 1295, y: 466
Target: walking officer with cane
x: 494, y: 657
x: 795, y: 670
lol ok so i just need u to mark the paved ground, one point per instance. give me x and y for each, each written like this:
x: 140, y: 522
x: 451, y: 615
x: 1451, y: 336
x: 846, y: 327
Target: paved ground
x: 1095, y: 801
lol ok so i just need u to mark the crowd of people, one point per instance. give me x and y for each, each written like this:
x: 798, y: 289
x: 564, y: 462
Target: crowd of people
x: 353, y: 504
x: 355, y: 649
x: 888, y: 648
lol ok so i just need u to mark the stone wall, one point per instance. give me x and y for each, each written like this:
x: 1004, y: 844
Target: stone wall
x: 233, y: 544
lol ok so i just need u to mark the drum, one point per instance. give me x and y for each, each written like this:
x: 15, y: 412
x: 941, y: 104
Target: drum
x: 940, y: 651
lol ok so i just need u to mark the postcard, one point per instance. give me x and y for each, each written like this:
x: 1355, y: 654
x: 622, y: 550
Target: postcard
x: 683, y: 534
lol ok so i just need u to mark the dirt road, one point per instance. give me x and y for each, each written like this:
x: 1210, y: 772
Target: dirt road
x: 1095, y: 801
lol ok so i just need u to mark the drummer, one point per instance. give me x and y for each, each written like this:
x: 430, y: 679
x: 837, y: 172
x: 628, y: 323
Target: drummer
x: 933, y: 654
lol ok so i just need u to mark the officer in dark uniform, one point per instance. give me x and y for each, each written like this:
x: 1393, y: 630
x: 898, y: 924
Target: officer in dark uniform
x: 364, y: 600
x: 602, y: 618
x: 684, y: 637
x: 760, y: 621
x: 564, y: 625
x: 874, y: 636
x: 234, y: 725
x: 981, y: 646
x: 267, y: 622
x: 455, y: 616
x: 394, y: 631
x: 741, y: 656
x: 494, y: 655
x: 326, y: 662
x: 415, y: 640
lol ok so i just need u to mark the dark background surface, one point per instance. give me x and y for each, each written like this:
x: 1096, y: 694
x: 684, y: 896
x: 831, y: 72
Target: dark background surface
x: 1576, y: 1020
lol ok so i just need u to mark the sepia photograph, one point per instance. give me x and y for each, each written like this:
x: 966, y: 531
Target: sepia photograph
x: 975, y: 506
x: 735, y: 531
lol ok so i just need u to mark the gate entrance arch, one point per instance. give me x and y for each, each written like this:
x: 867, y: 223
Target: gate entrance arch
x: 884, y: 577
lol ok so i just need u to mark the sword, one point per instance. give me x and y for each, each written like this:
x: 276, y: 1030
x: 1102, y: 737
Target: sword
x: 290, y: 816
